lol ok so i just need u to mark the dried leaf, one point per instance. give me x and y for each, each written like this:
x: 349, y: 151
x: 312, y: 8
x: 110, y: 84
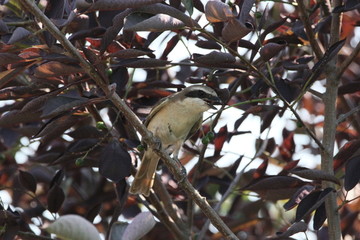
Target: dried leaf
x: 27, y: 180
x: 73, y: 227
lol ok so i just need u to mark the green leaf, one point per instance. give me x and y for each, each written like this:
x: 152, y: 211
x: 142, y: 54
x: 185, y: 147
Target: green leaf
x: 189, y: 5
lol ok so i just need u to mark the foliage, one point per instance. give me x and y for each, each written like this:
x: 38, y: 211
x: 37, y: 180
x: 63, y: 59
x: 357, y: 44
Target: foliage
x: 67, y: 151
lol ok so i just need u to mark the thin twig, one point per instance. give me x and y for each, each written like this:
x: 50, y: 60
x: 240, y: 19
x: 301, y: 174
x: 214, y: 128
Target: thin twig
x: 309, y: 31
x: 348, y: 60
x: 132, y: 118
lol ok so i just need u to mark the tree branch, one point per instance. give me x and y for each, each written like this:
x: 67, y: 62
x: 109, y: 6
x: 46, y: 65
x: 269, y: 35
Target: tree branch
x: 131, y: 117
x: 330, y: 96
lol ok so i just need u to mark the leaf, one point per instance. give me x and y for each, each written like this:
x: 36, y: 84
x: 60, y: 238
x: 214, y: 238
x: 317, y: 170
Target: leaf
x: 319, y: 217
x: 220, y: 139
x: 93, y: 212
x: 57, y: 179
x: 314, y: 174
x: 141, y: 224
x: 217, y: 11
x: 235, y: 30
x: 27, y: 180
x: 245, y: 10
x: 157, y: 23
x: 287, y: 148
x: 189, y: 6
x: 55, y: 198
x: 53, y: 69
x: 311, y: 202
x: 298, y: 196
x: 19, y: 34
x: 143, y: 63
x: 8, y: 75
x: 260, y: 171
x: 115, y: 162
x: 275, y: 187
x: 352, y: 173
x: 117, y: 230
x: 270, y: 50
x: 56, y: 127
x: 112, y: 5
x: 345, y: 153
x: 158, y: 8
x: 9, y: 58
x: 111, y: 32
x: 73, y: 227
x: 130, y: 53
x: 293, y: 229
x: 62, y: 103
x: 214, y: 58
x: 208, y: 44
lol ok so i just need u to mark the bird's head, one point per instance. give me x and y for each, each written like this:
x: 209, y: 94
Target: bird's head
x: 202, y: 95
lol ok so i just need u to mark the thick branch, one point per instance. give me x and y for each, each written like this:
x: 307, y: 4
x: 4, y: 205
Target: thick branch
x: 131, y: 117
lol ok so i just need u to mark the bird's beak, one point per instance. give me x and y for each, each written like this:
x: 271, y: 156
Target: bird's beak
x: 214, y: 101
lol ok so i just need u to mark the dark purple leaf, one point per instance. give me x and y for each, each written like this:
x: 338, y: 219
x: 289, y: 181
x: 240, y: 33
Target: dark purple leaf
x: 345, y: 153
x: 319, y: 216
x: 57, y: 179
x: 352, y: 173
x: 27, y: 180
x: 115, y: 162
x: 311, y: 202
x: 93, y: 212
x: 55, y: 198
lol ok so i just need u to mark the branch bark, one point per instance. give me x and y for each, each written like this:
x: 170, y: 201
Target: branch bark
x: 330, y: 124
x: 131, y: 117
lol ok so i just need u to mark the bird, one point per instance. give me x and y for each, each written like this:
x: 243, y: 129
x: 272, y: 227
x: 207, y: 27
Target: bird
x: 173, y: 120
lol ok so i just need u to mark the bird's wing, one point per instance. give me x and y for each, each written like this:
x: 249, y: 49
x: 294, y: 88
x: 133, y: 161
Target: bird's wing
x: 196, y: 127
x: 156, y: 108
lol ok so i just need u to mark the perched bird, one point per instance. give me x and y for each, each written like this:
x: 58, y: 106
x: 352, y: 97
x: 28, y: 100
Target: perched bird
x: 173, y: 120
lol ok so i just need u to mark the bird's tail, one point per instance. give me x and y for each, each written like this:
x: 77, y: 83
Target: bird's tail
x: 144, y: 178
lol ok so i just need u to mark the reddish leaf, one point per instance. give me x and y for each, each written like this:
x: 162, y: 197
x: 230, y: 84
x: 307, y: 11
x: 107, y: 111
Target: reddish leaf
x: 8, y: 58
x: 352, y: 173
x: 287, y: 148
x: 260, y: 171
x: 170, y: 46
x: 345, y: 152
x: 220, y: 139
x: 290, y: 165
x: 55, y: 198
x: 53, y: 69
x: 27, y: 180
